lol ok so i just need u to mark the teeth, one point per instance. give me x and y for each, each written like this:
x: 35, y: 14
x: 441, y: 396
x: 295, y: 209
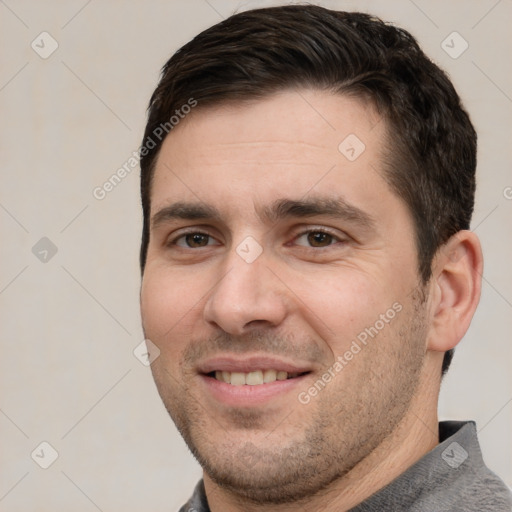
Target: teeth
x: 269, y: 376
x: 237, y: 379
x: 253, y: 378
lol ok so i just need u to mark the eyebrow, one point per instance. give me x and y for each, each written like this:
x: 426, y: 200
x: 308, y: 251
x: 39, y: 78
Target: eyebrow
x: 280, y: 209
x: 318, y: 206
x: 185, y: 211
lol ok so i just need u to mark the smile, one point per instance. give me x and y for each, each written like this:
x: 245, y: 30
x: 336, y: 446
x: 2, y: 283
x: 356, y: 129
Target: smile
x: 254, y: 378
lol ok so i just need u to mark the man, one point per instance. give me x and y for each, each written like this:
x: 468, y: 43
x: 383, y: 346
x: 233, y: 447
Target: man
x: 308, y: 180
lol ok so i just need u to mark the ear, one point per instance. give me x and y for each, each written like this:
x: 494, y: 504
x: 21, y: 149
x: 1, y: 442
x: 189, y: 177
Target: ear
x: 456, y: 282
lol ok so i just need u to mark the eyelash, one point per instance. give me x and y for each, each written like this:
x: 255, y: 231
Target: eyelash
x: 336, y: 238
x: 174, y: 241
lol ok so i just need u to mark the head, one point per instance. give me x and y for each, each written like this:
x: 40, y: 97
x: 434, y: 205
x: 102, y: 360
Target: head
x: 266, y: 105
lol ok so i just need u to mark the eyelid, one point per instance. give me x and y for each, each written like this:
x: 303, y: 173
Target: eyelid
x: 180, y: 233
x: 339, y: 236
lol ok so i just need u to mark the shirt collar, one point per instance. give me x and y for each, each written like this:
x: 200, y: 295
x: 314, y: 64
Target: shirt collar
x: 448, y: 463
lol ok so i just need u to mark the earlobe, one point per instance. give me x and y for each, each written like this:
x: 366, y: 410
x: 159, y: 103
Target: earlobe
x: 457, y: 277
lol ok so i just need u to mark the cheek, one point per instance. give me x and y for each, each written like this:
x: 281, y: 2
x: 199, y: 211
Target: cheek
x: 340, y: 305
x: 169, y: 305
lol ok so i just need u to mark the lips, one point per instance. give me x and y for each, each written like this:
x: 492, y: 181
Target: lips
x: 251, y: 371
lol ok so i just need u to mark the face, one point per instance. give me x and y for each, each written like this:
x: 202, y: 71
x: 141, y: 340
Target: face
x: 281, y: 288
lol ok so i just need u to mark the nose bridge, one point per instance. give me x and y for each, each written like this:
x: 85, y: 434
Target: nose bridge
x: 247, y: 293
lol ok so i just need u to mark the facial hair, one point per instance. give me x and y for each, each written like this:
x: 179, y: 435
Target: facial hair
x: 269, y: 457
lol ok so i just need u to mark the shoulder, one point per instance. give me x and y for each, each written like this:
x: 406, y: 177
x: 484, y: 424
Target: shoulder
x: 481, y: 491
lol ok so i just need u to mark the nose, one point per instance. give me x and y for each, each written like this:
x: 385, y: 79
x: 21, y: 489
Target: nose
x: 248, y: 296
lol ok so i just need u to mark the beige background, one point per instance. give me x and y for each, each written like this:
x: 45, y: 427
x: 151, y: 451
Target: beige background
x: 69, y: 325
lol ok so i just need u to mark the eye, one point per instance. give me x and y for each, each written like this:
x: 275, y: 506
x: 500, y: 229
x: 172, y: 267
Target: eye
x: 194, y: 240
x: 316, y: 238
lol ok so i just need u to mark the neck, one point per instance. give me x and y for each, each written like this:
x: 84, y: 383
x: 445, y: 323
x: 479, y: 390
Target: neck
x: 414, y: 436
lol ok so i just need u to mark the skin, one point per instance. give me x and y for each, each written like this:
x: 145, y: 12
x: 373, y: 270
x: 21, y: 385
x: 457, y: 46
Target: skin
x: 304, y: 299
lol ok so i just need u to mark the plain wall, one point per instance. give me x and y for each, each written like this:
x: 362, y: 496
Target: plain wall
x: 69, y: 325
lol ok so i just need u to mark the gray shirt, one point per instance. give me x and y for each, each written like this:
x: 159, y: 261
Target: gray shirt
x: 452, y: 477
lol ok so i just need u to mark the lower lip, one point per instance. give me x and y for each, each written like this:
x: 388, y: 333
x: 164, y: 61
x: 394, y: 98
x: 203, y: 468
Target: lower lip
x: 249, y: 396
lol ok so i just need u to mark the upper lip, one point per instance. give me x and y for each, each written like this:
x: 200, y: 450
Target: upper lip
x: 250, y: 364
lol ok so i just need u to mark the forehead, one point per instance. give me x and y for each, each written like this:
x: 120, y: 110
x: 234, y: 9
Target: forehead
x: 289, y: 144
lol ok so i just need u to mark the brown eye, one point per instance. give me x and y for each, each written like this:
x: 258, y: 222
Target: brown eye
x: 196, y: 240
x: 319, y: 239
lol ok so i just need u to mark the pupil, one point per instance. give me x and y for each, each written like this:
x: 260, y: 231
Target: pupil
x: 319, y: 239
x: 197, y: 240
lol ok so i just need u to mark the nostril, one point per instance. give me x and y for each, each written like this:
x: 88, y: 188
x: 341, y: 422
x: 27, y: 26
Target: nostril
x: 256, y: 324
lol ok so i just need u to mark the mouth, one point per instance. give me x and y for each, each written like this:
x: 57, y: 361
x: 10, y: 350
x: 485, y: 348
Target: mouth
x: 253, y: 378
x: 252, y: 381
